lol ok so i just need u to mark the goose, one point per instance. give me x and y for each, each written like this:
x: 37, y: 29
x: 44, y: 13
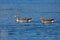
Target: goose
x: 47, y: 21
x: 24, y: 20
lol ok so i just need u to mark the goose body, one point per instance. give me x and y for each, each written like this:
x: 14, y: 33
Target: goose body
x: 47, y: 21
x: 24, y: 20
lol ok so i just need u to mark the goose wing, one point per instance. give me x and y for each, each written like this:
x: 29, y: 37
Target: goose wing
x: 50, y: 19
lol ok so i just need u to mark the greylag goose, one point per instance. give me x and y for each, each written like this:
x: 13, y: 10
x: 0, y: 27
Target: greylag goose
x: 47, y: 21
x: 24, y: 20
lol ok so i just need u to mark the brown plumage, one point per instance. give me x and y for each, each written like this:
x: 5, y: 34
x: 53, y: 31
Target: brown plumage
x: 47, y: 21
x: 24, y: 20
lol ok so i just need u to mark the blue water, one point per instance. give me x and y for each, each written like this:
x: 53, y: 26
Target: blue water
x: 10, y: 30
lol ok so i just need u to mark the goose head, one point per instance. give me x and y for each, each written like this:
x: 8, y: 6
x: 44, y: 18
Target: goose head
x: 17, y: 16
x: 42, y: 18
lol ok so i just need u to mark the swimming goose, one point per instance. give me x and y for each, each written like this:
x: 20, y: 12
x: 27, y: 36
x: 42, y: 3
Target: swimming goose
x: 47, y: 21
x: 24, y: 20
